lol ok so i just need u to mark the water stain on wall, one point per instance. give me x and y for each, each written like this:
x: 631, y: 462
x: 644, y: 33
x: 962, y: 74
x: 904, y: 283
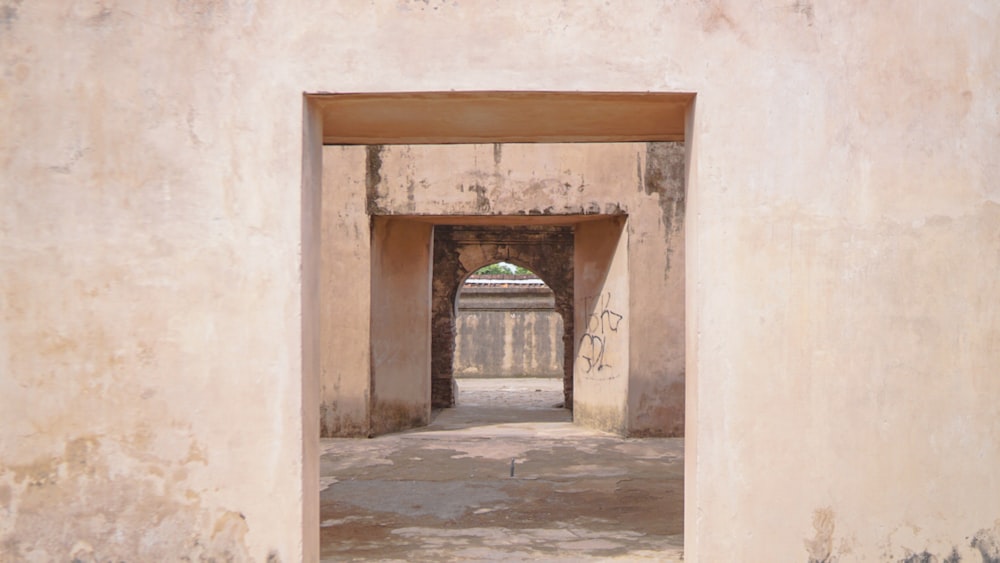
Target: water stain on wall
x: 111, y: 490
x: 334, y: 423
x: 821, y: 545
x: 9, y: 12
x: 394, y: 416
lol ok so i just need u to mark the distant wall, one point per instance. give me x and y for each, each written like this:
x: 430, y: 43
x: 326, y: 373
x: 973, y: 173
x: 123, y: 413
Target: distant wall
x: 503, y: 331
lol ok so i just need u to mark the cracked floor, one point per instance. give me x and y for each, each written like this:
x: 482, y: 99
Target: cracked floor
x: 445, y: 492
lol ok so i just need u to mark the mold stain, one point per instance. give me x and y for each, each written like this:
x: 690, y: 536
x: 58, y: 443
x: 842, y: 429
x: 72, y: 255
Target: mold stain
x: 334, y: 424
x: 9, y: 13
x: 664, y: 178
x: 482, y: 200
x: 411, y: 199
x: 373, y: 178
x: 920, y: 558
x: 639, y: 180
x: 394, y: 416
x: 927, y: 557
x: 805, y: 9
x: 987, y: 542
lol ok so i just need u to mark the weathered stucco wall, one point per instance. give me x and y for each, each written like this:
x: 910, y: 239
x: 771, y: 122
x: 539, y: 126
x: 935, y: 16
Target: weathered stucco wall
x: 401, y: 324
x: 506, y: 179
x: 507, y: 331
x: 154, y: 235
x: 601, y: 366
x: 656, y: 297
x: 645, y: 179
x: 842, y: 237
x: 345, y: 282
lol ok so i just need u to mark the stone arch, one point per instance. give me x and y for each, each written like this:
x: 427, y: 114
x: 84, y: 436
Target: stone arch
x: 460, y: 250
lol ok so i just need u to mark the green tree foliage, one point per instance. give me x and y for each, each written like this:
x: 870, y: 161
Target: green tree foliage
x: 503, y: 268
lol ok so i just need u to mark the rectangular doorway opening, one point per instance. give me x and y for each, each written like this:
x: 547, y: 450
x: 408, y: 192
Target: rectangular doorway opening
x: 383, y: 204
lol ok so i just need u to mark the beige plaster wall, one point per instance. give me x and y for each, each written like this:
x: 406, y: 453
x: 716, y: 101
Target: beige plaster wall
x: 506, y: 179
x: 656, y: 230
x: 644, y: 180
x: 345, y: 380
x: 601, y: 294
x: 152, y: 234
x: 311, y: 281
x: 840, y: 259
x: 400, y: 324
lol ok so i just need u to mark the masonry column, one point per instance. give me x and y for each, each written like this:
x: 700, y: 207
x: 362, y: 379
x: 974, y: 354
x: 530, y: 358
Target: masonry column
x: 401, y: 324
x: 345, y: 286
x: 601, y: 290
x: 656, y: 241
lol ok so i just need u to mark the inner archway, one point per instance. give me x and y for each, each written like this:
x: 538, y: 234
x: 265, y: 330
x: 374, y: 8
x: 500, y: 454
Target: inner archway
x: 461, y: 250
x: 508, y: 340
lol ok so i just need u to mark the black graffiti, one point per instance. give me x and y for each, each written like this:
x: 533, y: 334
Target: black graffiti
x: 601, y: 322
x: 592, y: 351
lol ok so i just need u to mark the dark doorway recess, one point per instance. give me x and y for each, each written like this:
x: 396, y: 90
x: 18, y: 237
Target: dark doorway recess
x: 460, y: 250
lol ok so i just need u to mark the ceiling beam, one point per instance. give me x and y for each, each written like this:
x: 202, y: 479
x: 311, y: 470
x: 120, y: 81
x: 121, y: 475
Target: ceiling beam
x: 501, y: 117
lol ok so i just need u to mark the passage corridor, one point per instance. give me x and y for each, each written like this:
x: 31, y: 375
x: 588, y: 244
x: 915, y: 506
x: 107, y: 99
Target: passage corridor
x: 445, y: 492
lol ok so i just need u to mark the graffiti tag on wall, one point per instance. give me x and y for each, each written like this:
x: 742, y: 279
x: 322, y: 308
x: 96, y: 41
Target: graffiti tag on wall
x: 601, y: 322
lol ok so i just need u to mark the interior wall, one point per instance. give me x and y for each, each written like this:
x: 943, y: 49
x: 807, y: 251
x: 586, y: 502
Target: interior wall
x: 512, y: 180
x: 657, y: 297
x: 345, y: 299
x: 841, y: 258
x: 400, y: 324
x: 601, y: 365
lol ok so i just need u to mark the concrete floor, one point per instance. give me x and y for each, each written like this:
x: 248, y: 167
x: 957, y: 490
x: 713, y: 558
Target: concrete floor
x: 445, y: 492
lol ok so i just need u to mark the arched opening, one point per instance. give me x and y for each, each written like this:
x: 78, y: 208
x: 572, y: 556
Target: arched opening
x: 460, y: 250
x: 509, y: 349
